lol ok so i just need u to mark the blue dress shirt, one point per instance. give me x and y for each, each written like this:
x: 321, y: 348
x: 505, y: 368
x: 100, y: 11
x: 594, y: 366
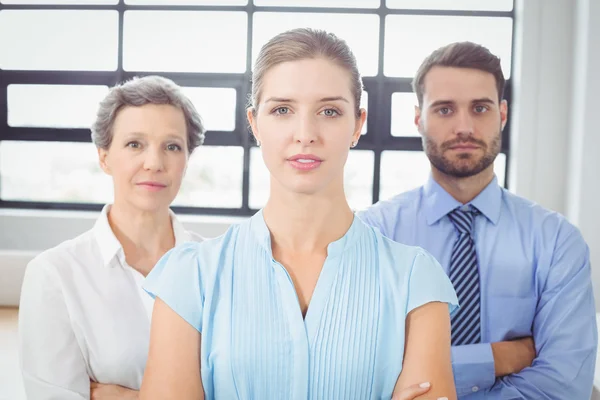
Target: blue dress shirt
x: 535, y: 281
x: 255, y: 342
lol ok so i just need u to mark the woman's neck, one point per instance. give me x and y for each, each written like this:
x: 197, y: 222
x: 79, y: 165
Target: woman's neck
x: 305, y: 224
x: 144, y: 236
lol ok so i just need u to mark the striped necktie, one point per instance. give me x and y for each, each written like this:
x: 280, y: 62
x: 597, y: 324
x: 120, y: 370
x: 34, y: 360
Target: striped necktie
x: 464, y: 274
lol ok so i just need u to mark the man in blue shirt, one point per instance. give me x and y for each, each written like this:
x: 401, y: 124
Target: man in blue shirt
x: 526, y: 328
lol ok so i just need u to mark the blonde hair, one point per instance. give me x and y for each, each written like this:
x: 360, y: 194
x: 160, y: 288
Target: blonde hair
x: 301, y: 44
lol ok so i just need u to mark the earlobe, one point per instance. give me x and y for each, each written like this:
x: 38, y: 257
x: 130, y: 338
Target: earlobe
x: 102, y: 154
x: 504, y: 113
x: 251, y: 116
x: 360, y: 122
x: 417, y: 119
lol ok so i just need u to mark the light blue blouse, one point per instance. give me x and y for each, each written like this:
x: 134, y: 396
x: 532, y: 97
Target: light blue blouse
x: 255, y: 343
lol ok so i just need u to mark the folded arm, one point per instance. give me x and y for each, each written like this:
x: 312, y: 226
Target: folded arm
x: 564, y: 334
x: 52, y: 363
x: 427, y: 352
x: 173, y: 367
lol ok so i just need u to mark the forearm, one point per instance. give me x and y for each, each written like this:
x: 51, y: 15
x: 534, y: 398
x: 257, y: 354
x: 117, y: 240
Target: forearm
x: 36, y: 388
x: 511, y: 357
x: 548, y: 379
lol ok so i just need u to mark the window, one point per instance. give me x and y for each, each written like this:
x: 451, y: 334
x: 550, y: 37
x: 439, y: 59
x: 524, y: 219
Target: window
x: 59, y: 57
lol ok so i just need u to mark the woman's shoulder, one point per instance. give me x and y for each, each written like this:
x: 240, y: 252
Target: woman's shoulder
x: 204, y: 252
x: 396, y: 252
x: 59, y: 268
x: 66, y: 254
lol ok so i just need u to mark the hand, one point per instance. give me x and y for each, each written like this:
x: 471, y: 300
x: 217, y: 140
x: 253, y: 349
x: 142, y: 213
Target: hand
x: 414, y: 391
x: 99, y: 391
x: 513, y: 356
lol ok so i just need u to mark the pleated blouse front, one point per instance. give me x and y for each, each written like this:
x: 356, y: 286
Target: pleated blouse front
x: 255, y: 342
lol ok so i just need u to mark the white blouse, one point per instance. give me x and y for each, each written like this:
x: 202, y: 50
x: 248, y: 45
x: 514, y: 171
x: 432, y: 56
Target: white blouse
x: 84, y: 315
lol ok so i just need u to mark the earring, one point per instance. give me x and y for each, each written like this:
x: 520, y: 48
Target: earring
x: 354, y: 144
x: 258, y: 143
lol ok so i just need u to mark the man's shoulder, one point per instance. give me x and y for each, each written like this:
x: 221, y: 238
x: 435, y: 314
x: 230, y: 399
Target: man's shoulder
x: 394, y: 205
x: 530, y: 212
x: 547, y: 228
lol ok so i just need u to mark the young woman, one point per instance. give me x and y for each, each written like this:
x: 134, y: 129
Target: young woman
x: 303, y: 300
x: 84, y: 320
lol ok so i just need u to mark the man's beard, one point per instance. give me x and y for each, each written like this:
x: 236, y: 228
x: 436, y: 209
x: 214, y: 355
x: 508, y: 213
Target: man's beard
x: 468, y: 167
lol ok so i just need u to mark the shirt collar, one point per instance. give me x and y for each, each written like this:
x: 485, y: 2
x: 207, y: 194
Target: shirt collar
x: 439, y: 203
x: 110, y: 246
x: 262, y: 234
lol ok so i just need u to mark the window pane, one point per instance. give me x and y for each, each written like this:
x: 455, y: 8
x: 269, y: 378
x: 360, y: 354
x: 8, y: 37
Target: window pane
x: 500, y: 168
x: 70, y: 172
x: 259, y: 180
x: 213, y: 178
x: 215, y: 105
x: 364, y: 103
x: 54, y: 106
x: 59, y: 40
x: 405, y: 170
x: 360, y: 31
x: 405, y: 51
x: 83, y: 2
x: 188, y: 2
x: 402, y: 171
x: 358, y: 179
x: 187, y: 41
x: 495, y: 5
x: 403, y: 114
x: 319, y: 3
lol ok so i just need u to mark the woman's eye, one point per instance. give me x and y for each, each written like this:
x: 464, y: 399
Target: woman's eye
x: 330, y: 112
x: 281, y: 110
x: 174, y: 147
x: 134, y: 145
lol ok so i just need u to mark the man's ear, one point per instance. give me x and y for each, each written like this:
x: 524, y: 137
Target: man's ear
x: 503, y: 112
x: 417, y: 119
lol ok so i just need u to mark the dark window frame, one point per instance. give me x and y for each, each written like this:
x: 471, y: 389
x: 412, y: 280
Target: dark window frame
x: 379, y: 87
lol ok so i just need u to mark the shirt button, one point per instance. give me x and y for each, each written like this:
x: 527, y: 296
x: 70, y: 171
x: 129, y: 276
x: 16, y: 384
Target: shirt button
x: 475, y: 389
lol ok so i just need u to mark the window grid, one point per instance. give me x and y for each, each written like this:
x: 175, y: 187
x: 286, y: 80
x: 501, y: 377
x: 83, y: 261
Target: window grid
x: 379, y: 87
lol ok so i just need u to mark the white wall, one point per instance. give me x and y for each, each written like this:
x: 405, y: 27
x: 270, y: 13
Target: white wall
x: 555, y: 126
x: 583, y: 186
x: 554, y: 118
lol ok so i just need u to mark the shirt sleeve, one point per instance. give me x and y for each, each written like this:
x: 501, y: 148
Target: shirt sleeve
x: 52, y: 363
x: 428, y: 283
x: 474, y: 368
x: 177, y: 281
x: 564, y: 330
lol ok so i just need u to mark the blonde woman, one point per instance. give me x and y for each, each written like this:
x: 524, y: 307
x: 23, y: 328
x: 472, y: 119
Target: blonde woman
x: 303, y: 300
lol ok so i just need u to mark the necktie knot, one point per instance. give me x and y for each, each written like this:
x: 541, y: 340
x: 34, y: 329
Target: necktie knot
x: 463, y: 219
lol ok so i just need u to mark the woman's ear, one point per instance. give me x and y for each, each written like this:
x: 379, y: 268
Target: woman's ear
x: 102, y: 159
x: 360, y: 122
x: 251, y: 115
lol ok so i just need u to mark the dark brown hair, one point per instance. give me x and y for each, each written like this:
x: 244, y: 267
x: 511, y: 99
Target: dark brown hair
x: 460, y: 55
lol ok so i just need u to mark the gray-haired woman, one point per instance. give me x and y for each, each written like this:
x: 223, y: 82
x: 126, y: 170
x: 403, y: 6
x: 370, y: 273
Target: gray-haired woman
x: 84, y: 320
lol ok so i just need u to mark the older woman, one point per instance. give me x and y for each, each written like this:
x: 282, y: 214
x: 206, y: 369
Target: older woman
x: 84, y: 320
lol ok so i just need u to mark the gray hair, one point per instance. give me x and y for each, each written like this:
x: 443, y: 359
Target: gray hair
x: 141, y: 91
